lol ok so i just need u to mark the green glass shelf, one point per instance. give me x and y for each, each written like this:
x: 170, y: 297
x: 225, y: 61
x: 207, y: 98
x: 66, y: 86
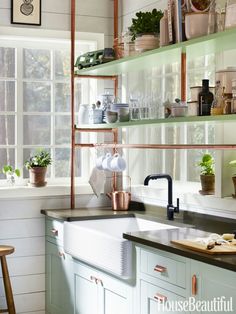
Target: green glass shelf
x: 197, y: 119
x: 214, y: 43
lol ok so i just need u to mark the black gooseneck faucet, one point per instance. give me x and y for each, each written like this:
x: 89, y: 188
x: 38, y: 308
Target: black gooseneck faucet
x: 171, y: 209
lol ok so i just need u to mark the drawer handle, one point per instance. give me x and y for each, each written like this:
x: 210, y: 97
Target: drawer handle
x: 54, y: 232
x: 160, y: 297
x: 194, y: 285
x: 92, y: 278
x: 160, y: 269
x: 61, y: 254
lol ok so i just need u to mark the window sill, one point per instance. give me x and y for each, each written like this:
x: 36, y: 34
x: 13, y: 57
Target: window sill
x: 28, y: 192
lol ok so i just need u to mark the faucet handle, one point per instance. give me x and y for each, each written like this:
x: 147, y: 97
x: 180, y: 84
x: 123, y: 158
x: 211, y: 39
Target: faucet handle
x: 177, y: 206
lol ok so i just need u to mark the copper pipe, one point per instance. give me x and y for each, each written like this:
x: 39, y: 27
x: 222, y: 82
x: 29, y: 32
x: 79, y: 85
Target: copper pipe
x: 116, y: 9
x: 116, y: 85
x: 72, y: 200
x: 194, y: 285
x: 114, y: 176
x: 183, y: 77
x: 88, y: 130
x: 160, y: 146
x: 98, y: 77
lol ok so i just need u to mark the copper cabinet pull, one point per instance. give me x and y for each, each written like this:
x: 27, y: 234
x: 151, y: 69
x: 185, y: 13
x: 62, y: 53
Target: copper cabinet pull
x: 61, y: 254
x: 194, y: 285
x: 100, y: 281
x: 54, y: 232
x: 92, y: 278
x: 160, y: 269
x: 160, y: 297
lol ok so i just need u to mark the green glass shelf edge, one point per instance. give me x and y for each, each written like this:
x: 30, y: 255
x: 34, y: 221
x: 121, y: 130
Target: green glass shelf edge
x: 202, y: 45
x: 221, y: 118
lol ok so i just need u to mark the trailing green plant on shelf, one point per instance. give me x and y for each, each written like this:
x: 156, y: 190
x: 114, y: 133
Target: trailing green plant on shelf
x: 10, y: 173
x: 37, y: 166
x: 146, y: 23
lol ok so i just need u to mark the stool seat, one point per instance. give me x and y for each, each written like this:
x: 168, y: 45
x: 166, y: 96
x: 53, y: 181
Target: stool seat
x: 6, y: 250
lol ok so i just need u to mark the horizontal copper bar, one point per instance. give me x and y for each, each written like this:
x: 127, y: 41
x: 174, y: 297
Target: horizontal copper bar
x: 98, y: 77
x: 161, y: 146
x: 95, y: 130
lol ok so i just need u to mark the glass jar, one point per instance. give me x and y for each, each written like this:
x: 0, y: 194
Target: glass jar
x: 230, y: 20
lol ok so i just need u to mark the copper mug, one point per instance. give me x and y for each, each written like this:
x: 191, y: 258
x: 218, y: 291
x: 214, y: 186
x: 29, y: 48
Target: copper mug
x: 120, y: 200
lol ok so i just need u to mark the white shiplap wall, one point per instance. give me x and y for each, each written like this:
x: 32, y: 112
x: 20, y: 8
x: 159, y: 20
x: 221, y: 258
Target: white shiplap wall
x: 22, y: 226
x: 130, y: 7
x: 92, y: 16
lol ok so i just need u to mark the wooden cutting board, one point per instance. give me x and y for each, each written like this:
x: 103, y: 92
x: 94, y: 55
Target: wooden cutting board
x: 218, y: 249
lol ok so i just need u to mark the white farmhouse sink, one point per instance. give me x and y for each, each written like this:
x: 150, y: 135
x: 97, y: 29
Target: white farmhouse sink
x: 100, y: 242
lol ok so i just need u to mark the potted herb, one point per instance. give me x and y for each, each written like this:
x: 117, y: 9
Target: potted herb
x: 11, y: 174
x: 232, y: 163
x: 145, y: 30
x: 207, y: 176
x: 37, y: 166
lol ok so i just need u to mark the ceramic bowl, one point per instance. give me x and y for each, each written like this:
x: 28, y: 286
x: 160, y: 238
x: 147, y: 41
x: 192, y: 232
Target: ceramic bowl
x: 111, y: 116
x: 196, y: 24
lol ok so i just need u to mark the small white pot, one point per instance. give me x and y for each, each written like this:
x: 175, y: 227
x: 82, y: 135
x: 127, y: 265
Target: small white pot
x: 146, y: 42
x: 196, y: 24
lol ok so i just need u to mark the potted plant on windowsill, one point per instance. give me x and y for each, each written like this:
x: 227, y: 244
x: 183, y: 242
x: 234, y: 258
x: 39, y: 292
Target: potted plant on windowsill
x: 207, y: 176
x: 145, y: 30
x: 11, y: 174
x: 37, y: 166
x: 232, y: 163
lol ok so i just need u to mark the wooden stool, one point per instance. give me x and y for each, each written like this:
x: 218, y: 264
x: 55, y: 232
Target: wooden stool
x: 5, y: 250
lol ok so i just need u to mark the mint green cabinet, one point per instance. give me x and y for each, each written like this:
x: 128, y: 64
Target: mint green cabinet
x: 99, y: 293
x: 59, y: 272
x: 210, y: 282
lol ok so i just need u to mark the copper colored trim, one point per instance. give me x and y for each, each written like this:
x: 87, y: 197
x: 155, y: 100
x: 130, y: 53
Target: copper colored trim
x: 54, y: 232
x: 116, y: 86
x: 72, y: 201
x: 183, y: 77
x: 116, y: 9
x: 160, y: 269
x: 157, y: 146
x: 194, y: 285
x: 160, y: 297
x: 94, y: 130
x: 98, y: 77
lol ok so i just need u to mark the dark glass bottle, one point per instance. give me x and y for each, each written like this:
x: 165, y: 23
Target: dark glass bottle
x: 205, y: 99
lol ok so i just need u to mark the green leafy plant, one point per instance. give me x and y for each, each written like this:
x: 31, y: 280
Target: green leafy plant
x: 146, y: 22
x: 232, y: 164
x: 207, y: 165
x: 9, y: 170
x: 42, y: 158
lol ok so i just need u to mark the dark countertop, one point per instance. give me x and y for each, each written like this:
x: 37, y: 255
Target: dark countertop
x: 191, y: 225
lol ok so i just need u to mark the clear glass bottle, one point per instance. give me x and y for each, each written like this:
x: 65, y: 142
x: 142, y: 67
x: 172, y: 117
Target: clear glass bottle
x: 230, y: 20
x: 205, y: 99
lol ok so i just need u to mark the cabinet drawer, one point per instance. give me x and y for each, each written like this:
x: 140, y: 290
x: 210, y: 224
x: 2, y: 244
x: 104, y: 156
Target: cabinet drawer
x: 164, y: 268
x: 54, y: 230
x: 153, y: 298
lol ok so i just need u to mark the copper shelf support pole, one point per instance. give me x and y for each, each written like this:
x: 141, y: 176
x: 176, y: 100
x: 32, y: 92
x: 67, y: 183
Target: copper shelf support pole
x: 72, y: 200
x: 97, y: 77
x: 183, y: 76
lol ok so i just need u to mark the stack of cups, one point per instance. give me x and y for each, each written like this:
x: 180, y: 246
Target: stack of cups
x: 115, y: 163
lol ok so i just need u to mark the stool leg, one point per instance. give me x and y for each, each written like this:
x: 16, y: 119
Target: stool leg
x: 7, y: 285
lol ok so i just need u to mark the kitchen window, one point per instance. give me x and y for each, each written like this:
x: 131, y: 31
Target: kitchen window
x: 35, y: 104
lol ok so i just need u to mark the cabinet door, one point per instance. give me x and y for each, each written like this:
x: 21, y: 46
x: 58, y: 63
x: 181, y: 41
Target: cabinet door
x: 59, y: 293
x: 213, y: 283
x: 154, y: 299
x: 86, y: 290
x: 116, y: 296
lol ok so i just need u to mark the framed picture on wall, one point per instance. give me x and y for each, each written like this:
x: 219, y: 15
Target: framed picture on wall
x: 27, y: 12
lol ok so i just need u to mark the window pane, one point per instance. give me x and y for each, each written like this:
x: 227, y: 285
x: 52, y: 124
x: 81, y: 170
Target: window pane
x: 7, y: 62
x: 62, y: 64
x: 62, y: 130
x: 37, y: 130
x: 27, y: 152
x: 37, y: 97
x: 62, y: 162
x: 7, y: 130
x: 37, y: 64
x: 7, y: 157
x: 62, y: 97
x: 7, y: 96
